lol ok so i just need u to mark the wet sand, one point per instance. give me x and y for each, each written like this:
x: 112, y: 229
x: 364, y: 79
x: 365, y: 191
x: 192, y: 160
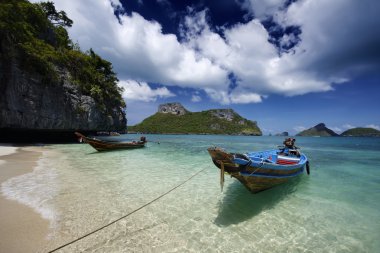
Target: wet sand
x: 21, y: 228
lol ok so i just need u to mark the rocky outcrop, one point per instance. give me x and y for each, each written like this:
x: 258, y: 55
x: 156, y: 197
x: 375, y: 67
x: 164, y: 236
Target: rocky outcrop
x: 282, y: 134
x: 172, y: 108
x: 29, y: 102
x: 227, y: 114
x: 318, y: 130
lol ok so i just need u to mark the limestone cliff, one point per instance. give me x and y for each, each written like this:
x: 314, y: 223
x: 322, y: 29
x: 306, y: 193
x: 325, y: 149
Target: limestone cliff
x: 33, y: 109
x: 173, y: 108
x: 30, y: 102
x: 48, y: 86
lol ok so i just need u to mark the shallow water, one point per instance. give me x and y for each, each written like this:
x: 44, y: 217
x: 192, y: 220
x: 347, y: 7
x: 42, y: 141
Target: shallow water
x: 335, y: 209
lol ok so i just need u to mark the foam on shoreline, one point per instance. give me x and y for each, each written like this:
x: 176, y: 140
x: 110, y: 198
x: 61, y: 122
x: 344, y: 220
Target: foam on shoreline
x: 6, y: 149
x: 28, y: 190
x: 23, y: 227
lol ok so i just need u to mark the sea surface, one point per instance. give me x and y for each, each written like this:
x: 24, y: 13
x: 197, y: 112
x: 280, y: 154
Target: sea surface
x: 154, y: 203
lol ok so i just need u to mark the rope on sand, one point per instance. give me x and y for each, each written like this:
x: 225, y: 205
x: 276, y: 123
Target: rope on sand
x: 125, y: 216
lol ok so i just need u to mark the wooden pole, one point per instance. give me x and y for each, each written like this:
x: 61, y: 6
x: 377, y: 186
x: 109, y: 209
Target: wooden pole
x: 221, y: 175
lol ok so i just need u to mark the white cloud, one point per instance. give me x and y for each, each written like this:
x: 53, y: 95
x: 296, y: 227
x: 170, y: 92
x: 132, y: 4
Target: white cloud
x: 226, y: 98
x: 373, y: 126
x: 336, y: 129
x: 141, y: 91
x: 333, y: 34
x: 262, y: 9
x: 299, y: 128
x: 246, y: 52
x: 348, y: 126
x: 245, y: 98
x: 137, y: 47
x: 337, y: 43
x: 195, y: 98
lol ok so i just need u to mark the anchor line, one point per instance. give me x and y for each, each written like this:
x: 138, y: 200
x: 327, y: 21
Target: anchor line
x: 125, y: 216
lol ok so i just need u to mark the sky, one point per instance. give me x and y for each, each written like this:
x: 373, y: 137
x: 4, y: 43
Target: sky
x: 287, y: 64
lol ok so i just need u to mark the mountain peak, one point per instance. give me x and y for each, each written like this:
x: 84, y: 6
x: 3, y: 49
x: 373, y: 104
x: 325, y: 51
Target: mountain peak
x: 320, y: 126
x: 318, y: 130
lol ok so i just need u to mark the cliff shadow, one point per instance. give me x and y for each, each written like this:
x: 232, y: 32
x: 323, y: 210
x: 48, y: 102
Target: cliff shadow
x: 238, y: 204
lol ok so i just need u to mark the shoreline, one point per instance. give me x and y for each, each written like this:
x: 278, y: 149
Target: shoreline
x: 22, y: 229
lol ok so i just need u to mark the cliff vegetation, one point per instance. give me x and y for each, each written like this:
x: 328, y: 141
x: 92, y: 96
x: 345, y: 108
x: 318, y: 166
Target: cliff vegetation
x: 36, y: 34
x: 48, y: 82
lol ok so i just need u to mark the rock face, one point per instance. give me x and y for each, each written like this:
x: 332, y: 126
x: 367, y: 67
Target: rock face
x: 172, y: 108
x: 227, y: 114
x: 31, y: 103
x: 318, y: 130
x: 47, y: 85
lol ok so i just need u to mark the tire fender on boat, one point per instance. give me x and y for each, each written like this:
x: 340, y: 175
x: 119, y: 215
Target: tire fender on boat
x: 308, y: 168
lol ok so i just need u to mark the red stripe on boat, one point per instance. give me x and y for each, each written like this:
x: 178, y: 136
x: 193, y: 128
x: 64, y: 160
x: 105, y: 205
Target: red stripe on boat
x: 288, y: 161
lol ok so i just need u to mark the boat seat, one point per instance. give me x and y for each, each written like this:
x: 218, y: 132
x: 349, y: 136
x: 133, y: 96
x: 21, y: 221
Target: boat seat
x: 287, y: 160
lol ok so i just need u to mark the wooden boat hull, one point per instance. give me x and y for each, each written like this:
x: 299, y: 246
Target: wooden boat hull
x: 255, y: 178
x: 100, y: 145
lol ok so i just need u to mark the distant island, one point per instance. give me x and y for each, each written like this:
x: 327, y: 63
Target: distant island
x: 321, y: 130
x: 282, y: 134
x: 173, y: 118
x: 318, y: 130
x: 362, y: 132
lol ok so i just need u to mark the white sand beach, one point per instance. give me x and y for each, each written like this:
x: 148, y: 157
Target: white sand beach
x: 21, y: 228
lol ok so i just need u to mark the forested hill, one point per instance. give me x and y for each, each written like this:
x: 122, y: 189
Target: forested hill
x: 173, y: 118
x: 362, y: 132
x: 48, y: 83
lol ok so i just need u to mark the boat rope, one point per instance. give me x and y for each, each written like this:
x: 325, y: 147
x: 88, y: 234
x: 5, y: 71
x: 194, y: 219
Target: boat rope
x: 255, y: 170
x: 128, y: 214
x: 258, y: 167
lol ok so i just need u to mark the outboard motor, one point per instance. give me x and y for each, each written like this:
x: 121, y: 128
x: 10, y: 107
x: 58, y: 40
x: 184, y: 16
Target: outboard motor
x: 289, y: 143
x: 142, y: 139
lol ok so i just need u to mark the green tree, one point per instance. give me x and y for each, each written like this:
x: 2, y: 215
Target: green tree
x: 36, y: 35
x: 56, y: 17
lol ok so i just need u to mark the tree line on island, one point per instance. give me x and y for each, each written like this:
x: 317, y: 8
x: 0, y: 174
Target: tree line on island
x: 173, y: 118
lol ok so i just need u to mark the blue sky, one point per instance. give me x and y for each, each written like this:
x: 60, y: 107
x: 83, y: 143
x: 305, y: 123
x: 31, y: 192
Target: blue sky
x: 287, y: 64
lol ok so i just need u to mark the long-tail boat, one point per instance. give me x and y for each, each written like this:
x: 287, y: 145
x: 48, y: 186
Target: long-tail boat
x: 101, y: 145
x: 261, y: 170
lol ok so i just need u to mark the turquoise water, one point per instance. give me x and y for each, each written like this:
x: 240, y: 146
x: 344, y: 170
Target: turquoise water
x: 335, y: 209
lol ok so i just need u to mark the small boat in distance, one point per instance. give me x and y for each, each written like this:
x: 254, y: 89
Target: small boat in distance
x: 101, y: 145
x: 261, y: 170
